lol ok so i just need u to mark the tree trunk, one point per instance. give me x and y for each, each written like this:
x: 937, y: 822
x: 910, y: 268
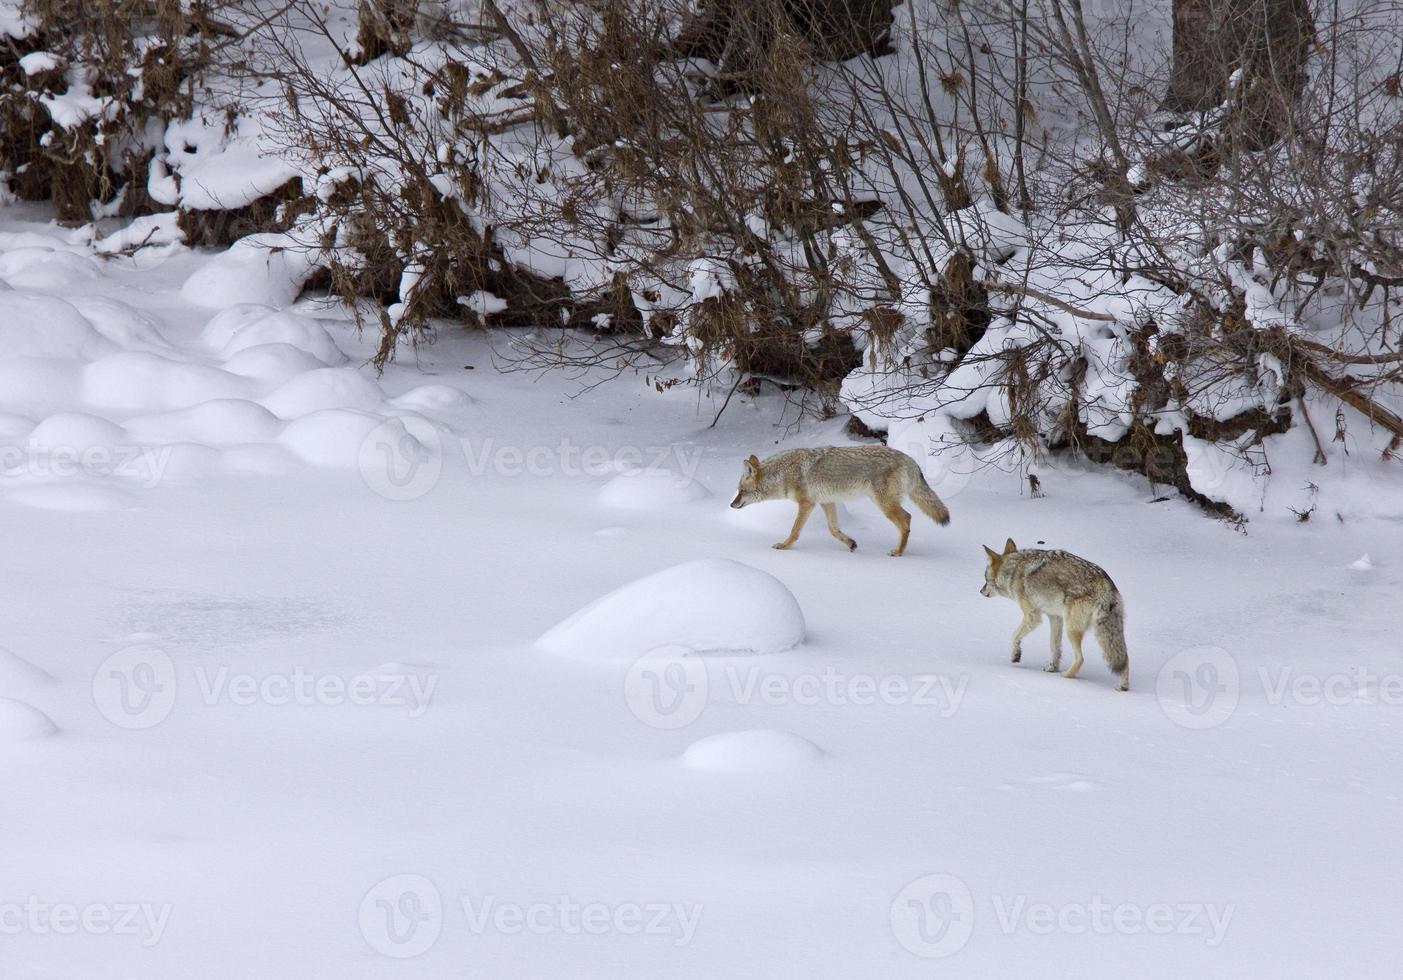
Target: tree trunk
x: 736, y: 34
x: 1269, y: 40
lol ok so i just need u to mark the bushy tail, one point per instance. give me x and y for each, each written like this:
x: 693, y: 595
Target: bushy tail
x: 926, y: 499
x: 1110, y: 633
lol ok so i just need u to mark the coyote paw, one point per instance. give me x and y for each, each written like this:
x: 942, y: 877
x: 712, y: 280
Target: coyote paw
x: 852, y: 545
x: 781, y: 546
x: 1070, y: 674
x: 1124, y: 685
x: 1052, y: 668
x: 1017, y: 656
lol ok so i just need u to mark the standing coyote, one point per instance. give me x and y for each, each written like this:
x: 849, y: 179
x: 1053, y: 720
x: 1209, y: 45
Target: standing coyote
x: 1064, y: 587
x: 829, y: 474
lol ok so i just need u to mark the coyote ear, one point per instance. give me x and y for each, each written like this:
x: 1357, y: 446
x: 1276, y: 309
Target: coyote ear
x: 1010, y: 547
x: 993, y: 555
x: 753, y: 462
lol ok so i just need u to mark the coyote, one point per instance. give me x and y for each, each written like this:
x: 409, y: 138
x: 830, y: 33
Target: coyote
x: 830, y: 474
x: 1064, y: 587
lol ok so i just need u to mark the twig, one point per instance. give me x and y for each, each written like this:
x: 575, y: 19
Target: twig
x: 1021, y: 290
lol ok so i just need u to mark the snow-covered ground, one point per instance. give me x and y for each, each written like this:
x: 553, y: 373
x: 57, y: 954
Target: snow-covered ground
x: 274, y: 703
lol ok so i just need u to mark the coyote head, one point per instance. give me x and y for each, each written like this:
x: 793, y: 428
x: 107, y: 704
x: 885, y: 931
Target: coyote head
x: 750, y: 489
x: 991, y: 571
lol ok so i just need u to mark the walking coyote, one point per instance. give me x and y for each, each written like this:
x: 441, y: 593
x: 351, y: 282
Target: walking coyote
x: 1064, y: 587
x: 829, y: 474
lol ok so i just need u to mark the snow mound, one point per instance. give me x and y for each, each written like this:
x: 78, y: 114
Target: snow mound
x: 272, y: 363
x: 128, y: 328
x: 249, y: 325
x: 15, y: 671
x: 712, y: 605
x: 1364, y: 563
x: 433, y: 398
x: 333, y: 437
x: 43, y: 326
x: 268, y: 268
x: 760, y: 750
x: 139, y: 381
x: 77, y: 431
x: 20, y: 722
x: 651, y: 489
x: 45, y: 268
x: 325, y: 388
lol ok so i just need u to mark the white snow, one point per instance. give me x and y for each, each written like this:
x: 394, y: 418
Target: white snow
x: 709, y: 605
x: 17, y: 672
x: 757, y: 751
x: 213, y: 583
x: 483, y: 303
x: 20, y: 722
x: 268, y: 268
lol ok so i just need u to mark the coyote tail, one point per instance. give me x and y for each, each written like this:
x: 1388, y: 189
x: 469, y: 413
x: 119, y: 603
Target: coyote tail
x: 926, y: 499
x: 1110, y: 632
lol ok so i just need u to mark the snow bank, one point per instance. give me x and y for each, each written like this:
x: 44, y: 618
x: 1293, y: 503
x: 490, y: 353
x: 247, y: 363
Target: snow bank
x: 712, y: 605
x: 760, y: 750
x: 651, y: 489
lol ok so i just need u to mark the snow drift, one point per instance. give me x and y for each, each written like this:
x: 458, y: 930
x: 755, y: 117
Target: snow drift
x: 712, y: 605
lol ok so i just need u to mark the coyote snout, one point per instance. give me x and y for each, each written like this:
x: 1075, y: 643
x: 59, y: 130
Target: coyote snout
x: 830, y: 474
x: 1065, y: 588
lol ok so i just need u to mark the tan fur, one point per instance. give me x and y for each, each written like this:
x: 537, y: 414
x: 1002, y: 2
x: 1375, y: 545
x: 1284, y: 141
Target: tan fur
x: 830, y: 474
x: 1070, y: 591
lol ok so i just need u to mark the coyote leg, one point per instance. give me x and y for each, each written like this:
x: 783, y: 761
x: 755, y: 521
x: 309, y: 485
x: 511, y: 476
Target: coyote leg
x: 1031, y: 619
x: 1074, y: 633
x: 1055, y: 622
x: 898, y: 516
x: 806, y: 507
x: 830, y: 511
